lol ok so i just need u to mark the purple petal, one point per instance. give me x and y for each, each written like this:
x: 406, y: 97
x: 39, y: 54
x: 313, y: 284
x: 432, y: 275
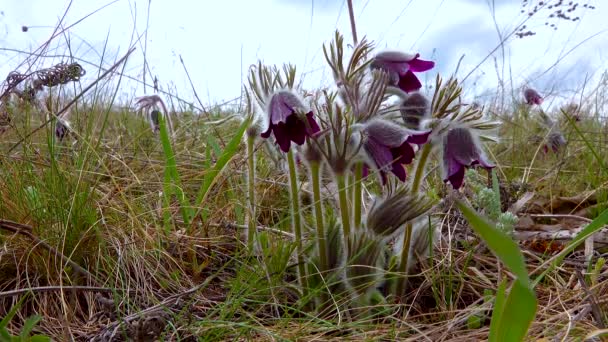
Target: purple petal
x: 381, y: 154
x: 453, y: 167
x: 419, y: 138
x: 281, y: 136
x: 408, y: 82
x: 365, y: 170
x: 457, y: 178
x: 420, y: 65
x: 461, y: 146
x: 399, y: 171
x: 484, y: 162
x: 387, y: 133
x: 313, y: 126
x: 279, y: 111
x: 403, y: 154
x: 266, y: 134
x: 296, y: 129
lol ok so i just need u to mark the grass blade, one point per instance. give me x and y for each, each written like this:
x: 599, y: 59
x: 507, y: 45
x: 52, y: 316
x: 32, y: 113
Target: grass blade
x: 499, y: 306
x: 171, y: 166
x: 500, y: 243
x: 518, y: 313
x: 227, y: 155
x: 512, y: 318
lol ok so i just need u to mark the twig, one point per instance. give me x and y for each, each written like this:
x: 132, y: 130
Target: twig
x: 39, y: 289
x: 259, y: 228
x: 561, y: 216
x: 27, y: 231
x: 595, y: 309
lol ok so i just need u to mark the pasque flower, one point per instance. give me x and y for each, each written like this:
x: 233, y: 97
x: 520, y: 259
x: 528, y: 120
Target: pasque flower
x: 390, y: 146
x: 460, y: 150
x: 532, y: 97
x: 414, y: 108
x: 62, y: 128
x: 401, y: 67
x: 288, y: 120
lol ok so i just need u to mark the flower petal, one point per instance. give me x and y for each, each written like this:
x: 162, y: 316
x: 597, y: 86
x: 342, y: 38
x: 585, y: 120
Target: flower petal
x: 281, y: 136
x: 313, y: 126
x: 399, y: 171
x: 420, y: 65
x: 403, y: 154
x: 387, y: 133
x: 381, y: 154
x: 457, y: 178
x: 296, y: 129
x: 266, y: 134
x: 278, y: 110
x: 419, y: 138
x: 408, y: 82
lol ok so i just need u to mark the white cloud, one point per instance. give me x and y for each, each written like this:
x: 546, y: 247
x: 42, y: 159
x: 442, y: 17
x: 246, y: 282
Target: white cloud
x: 219, y: 40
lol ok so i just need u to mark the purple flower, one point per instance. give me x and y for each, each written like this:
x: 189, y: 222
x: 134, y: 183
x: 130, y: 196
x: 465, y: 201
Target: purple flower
x: 401, y: 67
x: 555, y: 141
x: 532, y: 97
x: 461, y: 150
x: 62, y: 129
x: 287, y: 120
x: 390, y: 146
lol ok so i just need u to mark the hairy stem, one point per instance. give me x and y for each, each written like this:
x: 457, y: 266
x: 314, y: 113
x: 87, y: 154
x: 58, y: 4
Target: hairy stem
x: 316, y: 191
x: 426, y: 151
x: 357, y: 194
x: 342, y: 193
x: 297, y: 223
x: 251, y: 193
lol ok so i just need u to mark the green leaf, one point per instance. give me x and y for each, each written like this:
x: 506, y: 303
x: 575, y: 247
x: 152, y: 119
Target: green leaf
x: 4, y: 335
x: 11, y: 313
x: 499, y: 306
x: 29, y: 325
x: 227, y: 155
x: 500, y: 243
x: 171, y: 166
x: 518, y: 314
x: 40, y: 338
x: 511, y: 318
x: 496, y: 187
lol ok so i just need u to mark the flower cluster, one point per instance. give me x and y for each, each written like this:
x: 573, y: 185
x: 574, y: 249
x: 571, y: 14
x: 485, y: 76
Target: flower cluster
x: 356, y: 130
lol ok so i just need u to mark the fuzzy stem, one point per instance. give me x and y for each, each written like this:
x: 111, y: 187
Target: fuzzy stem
x: 251, y: 193
x: 426, y: 151
x: 297, y: 224
x: 342, y: 192
x: 316, y: 193
x: 357, y: 196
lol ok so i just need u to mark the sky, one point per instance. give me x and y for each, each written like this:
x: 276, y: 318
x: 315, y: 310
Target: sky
x: 219, y: 40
